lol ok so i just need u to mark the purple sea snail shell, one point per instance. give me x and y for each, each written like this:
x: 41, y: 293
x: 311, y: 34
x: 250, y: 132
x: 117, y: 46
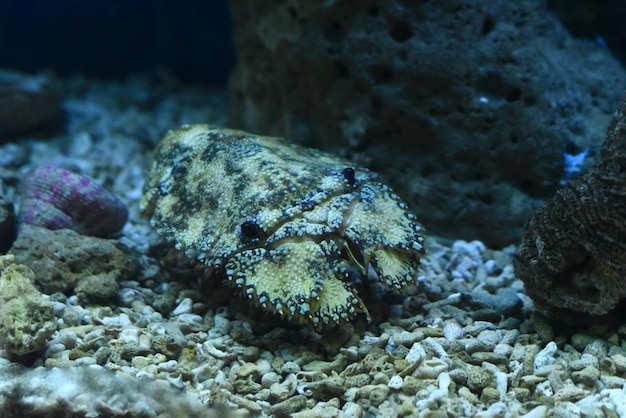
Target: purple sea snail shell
x: 55, y: 198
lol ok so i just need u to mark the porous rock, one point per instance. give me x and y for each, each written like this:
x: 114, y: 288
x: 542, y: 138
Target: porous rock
x: 466, y: 107
x: 26, y: 318
x: 65, y: 261
x: 571, y: 258
x: 599, y: 20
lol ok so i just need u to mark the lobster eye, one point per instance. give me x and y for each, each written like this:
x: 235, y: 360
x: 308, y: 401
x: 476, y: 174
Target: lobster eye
x: 348, y: 174
x: 251, y: 230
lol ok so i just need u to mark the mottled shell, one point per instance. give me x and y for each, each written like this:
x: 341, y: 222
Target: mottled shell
x: 287, y: 225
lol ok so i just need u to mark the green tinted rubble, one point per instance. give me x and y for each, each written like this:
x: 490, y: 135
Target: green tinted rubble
x: 26, y: 318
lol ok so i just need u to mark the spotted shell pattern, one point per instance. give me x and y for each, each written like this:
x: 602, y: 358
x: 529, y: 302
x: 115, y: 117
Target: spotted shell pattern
x: 287, y: 225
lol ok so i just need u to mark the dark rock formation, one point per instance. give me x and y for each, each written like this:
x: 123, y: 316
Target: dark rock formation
x: 600, y: 21
x: 573, y: 254
x: 466, y: 107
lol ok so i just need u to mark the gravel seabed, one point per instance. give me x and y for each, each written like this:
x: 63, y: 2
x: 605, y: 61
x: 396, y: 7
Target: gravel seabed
x: 466, y: 341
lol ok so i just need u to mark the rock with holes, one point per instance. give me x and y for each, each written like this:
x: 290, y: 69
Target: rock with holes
x: 289, y: 226
x: 26, y: 318
x: 65, y: 261
x: 572, y: 258
x: 480, y: 100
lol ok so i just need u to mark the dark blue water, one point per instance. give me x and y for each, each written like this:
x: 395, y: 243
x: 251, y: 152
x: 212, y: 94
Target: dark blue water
x: 114, y: 38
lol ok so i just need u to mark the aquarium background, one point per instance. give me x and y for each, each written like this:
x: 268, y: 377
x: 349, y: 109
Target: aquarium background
x: 454, y: 103
x: 112, y: 39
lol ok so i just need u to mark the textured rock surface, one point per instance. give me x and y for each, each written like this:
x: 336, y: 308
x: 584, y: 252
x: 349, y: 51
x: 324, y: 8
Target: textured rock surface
x: 56, y: 198
x: 573, y: 254
x: 466, y: 107
x: 26, y: 318
x: 600, y: 21
x: 65, y: 261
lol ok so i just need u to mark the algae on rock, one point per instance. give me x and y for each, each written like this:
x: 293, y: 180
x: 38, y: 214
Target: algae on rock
x: 26, y: 318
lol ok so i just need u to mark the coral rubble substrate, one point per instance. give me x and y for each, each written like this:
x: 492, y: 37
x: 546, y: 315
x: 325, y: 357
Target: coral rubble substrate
x: 155, y: 339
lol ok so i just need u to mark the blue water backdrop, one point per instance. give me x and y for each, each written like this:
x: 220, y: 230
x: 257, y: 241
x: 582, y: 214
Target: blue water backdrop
x: 114, y: 38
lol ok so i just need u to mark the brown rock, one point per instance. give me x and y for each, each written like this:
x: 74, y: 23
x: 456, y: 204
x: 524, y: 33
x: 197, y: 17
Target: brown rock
x: 64, y: 261
x: 27, y: 105
x: 26, y: 319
